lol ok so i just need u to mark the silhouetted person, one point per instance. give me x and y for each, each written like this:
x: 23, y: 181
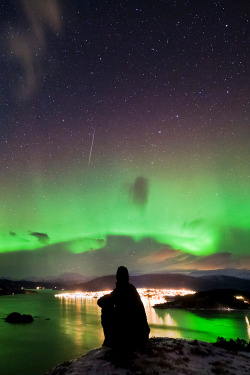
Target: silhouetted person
x: 124, y: 319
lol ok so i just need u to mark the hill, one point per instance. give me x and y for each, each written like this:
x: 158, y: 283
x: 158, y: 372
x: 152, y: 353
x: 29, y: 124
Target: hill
x: 174, y: 281
x: 20, y: 286
x: 158, y: 281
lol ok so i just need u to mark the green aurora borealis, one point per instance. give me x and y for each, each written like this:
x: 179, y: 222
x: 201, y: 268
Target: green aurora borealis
x: 124, y: 137
x: 193, y: 207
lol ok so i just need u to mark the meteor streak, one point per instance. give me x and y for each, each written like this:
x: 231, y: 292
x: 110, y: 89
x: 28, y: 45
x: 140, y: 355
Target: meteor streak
x: 90, y: 152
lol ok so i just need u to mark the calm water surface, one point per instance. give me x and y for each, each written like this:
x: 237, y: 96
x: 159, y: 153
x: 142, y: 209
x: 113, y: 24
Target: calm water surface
x: 63, y: 330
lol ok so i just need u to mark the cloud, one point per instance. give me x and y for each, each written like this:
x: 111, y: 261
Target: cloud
x: 175, y: 260
x: 29, y: 47
x: 144, y: 256
x: 168, y: 259
x: 42, y: 13
x: 160, y: 256
x: 139, y: 191
x: 213, y: 261
x: 42, y: 237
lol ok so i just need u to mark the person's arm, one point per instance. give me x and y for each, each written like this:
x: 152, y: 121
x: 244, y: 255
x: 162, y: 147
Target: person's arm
x: 105, y: 301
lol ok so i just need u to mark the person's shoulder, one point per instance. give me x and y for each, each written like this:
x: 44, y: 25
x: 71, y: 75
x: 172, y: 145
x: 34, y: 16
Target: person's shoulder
x: 132, y: 288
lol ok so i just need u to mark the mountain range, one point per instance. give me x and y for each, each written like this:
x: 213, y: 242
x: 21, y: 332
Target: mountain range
x: 168, y: 281
x: 164, y: 280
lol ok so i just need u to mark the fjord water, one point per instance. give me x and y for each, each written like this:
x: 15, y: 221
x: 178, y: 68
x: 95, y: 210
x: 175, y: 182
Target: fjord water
x: 63, y: 330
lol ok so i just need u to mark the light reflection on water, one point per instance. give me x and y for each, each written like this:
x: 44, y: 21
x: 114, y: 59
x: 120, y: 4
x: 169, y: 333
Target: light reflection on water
x: 248, y: 326
x: 202, y: 325
x: 160, y: 321
x: 80, y: 320
x: 74, y: 327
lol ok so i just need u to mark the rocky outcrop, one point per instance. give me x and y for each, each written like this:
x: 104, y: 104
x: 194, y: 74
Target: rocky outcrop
x: 19, y: 318
x: 161, y: 356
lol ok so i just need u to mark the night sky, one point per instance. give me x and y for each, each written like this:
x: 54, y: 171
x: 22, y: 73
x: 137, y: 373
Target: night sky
x: 124, y: 136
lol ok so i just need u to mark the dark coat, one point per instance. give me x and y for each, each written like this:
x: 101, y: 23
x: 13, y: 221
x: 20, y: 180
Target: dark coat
x: 123, y: 317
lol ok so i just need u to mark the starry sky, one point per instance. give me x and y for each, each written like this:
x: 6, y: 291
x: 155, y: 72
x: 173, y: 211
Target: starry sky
x: 124, y: 136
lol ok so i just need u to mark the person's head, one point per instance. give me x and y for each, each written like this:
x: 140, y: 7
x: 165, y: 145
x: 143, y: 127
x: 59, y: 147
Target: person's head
x: 122, y: 275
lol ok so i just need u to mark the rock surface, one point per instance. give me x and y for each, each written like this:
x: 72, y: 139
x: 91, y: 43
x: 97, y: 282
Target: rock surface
x: 16, y: 317
x: 162, y: 356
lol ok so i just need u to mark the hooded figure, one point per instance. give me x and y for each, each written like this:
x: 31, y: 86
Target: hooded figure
x: 124, y: 319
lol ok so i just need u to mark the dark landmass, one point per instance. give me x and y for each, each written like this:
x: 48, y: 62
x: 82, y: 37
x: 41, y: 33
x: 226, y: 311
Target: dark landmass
x: 10, y: 291
x: 17, y: 318
x: 171, y: 281
x: 67, y: 278
x: 158, y: 281
x: 8, y: 287
x: 210, y: 300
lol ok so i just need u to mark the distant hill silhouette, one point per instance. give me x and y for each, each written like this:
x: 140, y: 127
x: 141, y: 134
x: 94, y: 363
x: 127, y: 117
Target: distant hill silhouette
x: 20, y: 286
x: 170, y: 281
x: 63, y: 279
x: 242, y: 273
x: 175, y: 281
